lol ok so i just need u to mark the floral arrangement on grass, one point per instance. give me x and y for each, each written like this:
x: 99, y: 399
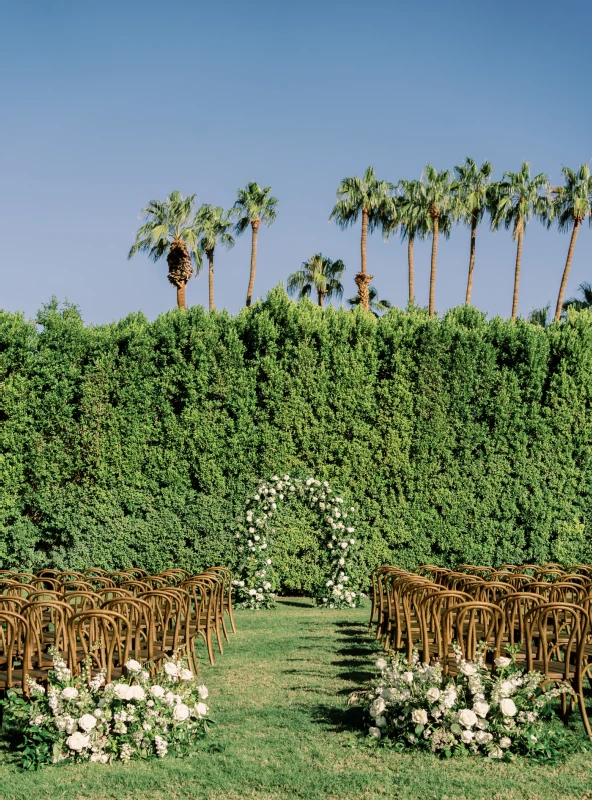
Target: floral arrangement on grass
x: 497, y: 714
x: 82, y: 719
x: 258, y: 582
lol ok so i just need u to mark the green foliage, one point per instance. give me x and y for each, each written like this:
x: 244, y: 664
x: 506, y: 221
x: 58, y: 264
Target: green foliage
x: 137, y: 443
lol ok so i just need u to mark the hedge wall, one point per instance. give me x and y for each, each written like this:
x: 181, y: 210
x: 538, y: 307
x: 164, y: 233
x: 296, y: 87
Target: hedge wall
x: 136, y: 443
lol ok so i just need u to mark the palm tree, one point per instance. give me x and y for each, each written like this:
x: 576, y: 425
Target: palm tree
x: 470, y: 201
x: 168, y: 230
x: 410, y: 217
x: 580, y: 303
x: 540, y: 316
x: 370, y: 198
x: 376, y: 306
x: 322, y: 275
x: 513, y: 202
x: 254, y: 206
x: 212, y: 225
x: 438, y: 200
x: 571, y: 206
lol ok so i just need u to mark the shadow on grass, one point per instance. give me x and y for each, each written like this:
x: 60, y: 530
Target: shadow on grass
x: 350, y: 718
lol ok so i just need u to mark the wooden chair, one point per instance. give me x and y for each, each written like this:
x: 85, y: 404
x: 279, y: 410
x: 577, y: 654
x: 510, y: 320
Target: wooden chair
x: 171, y: 624
x: 136, y: 587
x: 514, y: 607
x: 434, y: 605
x: 104, y: 638
x: 82, y: 601
x: 47, y: 622
x: 226, y: 596
x: 556, y: 636
x: 75, y: 585
x: 203, y: 612
x: 489, y: 591
x: 139, y: 615
x: 13, y: 634
x: 469, y: 624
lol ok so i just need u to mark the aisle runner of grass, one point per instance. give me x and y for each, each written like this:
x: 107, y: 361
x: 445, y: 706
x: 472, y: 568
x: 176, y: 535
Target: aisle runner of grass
x: 284, y: 731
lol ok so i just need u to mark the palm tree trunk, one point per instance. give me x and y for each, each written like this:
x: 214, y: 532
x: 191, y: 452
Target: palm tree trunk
x: 362, y: 279
x: 471, y: 259
x: 210, y: 255
x: 255, y: 228
x: 433, y: 266
x: 181, y: 295
x: 410, y: 243
x: 520, y: 237
x: 363, y: 240
x: 320, y: 298
x: 570, y: 252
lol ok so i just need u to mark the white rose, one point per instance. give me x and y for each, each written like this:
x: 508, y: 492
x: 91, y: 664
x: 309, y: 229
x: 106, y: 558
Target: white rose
x: 380, y: 722
x: 341, y: 562
x: 122, y: 691
x: 180, y: 712
x: 69, y: 693
x: 344, y: 545
x: 133, y: 666
x: 433, y: 694
x: 202, y: 691
x: 375, y: 732
x: 377, y: 707
x: 98, y: 713
x: 137, y: 693
x: 157, y: 691
x: 506, y: 688
x: 78, y: 741
x: 467, y: 718
x: 201, y: 709
x: 467, y: 668
x: 252, y: 592
x: 482, y: 737
x: 87, y: 722
x: 186, y: 675
x: 481, y: 708
x: 505, y: 742
x: 408, y: 677
x: 381, y: 663
x: 467, y: 736
x: 419, y: 716
x: 507, y: 707
x: 496, y: 752
x: 503, y: 662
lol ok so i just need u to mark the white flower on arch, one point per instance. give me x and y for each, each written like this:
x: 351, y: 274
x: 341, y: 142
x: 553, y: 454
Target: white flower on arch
x: 255, y: 548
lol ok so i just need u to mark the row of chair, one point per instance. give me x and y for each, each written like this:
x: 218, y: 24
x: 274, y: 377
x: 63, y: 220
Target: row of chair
x: 145, y: 618
x: 547, y: 625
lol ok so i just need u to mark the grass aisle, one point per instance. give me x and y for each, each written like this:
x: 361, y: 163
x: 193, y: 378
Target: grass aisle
x: 284, y: 731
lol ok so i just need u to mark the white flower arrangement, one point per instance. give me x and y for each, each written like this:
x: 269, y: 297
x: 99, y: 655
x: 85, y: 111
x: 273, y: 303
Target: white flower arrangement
x: 83, y: 719
x: 256, y: 563
x: 494, y: 714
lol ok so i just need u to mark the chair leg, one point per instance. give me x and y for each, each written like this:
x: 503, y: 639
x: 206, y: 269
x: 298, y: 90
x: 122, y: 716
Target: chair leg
x: 224, y: 627
x: 229, y: 610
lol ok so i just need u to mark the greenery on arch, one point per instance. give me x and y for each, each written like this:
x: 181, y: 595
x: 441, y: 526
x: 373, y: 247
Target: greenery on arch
x: 258, y: 580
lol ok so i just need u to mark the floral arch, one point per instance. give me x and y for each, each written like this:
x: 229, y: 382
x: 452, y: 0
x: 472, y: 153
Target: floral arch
x: 255, y: 587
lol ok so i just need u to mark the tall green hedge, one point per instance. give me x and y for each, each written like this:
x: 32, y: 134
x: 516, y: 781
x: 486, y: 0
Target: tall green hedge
x: 136, y: 443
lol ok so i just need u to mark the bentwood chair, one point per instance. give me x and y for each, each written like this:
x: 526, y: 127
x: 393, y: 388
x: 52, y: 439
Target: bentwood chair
x: 469, y: 625
x: 103, y: 638
x: 556, y: 636
x: 13, y: 633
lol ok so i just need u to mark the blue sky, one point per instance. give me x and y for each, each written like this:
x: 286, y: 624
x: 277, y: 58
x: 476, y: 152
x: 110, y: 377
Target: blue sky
x: 109, y: 105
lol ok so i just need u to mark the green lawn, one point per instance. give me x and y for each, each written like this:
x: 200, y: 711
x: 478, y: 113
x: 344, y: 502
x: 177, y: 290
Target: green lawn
x: 284, y: 731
